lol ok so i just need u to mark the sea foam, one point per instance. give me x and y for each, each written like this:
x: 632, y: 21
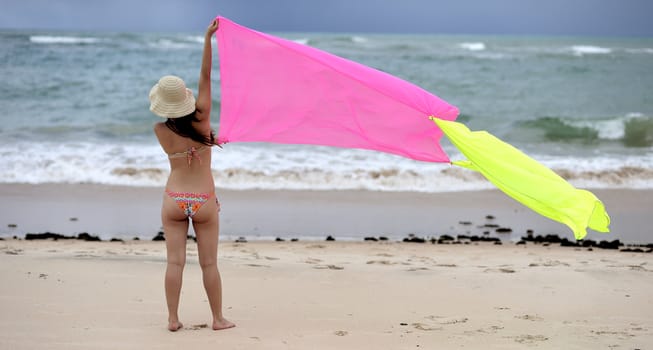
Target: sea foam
x: 473, y: 46
x: 580, y: 50
x: 45, y: 39
x: 292, y: 167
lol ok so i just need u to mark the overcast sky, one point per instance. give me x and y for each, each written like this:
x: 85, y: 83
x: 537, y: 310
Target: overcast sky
x: 521, y: 17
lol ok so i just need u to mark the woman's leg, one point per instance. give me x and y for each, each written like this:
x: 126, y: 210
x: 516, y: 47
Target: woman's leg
x: 206, y: 223
x: 175, y: 229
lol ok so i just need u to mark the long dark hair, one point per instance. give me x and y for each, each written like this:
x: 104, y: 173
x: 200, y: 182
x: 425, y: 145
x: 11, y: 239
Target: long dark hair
x: 183, y: 126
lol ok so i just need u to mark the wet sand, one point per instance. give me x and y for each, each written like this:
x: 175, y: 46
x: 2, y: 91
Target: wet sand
x: 127, y: 212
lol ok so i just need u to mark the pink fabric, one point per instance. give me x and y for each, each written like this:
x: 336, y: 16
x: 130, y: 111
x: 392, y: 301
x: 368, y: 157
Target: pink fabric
x: 276, y: 90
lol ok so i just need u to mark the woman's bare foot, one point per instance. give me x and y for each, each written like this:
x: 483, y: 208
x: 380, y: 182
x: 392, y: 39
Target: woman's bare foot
x: 222, y: 323
x: 174, y: 326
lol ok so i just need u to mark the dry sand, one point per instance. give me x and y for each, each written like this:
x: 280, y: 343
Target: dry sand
x: 328, y: 295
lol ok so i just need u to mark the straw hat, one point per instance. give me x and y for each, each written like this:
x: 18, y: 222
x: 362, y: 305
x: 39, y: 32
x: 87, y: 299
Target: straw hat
x: 170, y: 98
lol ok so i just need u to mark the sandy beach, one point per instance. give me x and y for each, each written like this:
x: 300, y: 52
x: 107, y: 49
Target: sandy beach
x: 70, y: 294
x: 314, y: 294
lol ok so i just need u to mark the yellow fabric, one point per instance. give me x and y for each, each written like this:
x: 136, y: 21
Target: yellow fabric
x: 526, y: 180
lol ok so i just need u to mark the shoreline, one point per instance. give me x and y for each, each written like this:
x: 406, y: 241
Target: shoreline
x: 124, y: 212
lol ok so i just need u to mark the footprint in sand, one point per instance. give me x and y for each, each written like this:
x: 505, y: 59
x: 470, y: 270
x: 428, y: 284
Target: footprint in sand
x: 529, y: 318
x: 529, y: 338
x: 257, y: 265
x: 489, y: 330
x: 424, y: 327
x: 502, y: 270
x: 381, y: 262
x: 341, y: 333
x: 330, y: 267
x: 446, y: 265
x: 447, y: 320
x: 312, y: 261
x: 197, y: 327
x: 413, y: 269
x: 549, y: 263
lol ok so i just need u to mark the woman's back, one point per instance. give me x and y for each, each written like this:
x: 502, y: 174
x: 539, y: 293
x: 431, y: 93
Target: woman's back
x: 190, y: 161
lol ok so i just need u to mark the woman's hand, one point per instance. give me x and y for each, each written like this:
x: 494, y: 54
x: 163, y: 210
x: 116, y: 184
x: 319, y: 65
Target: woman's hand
x: 213, y: 27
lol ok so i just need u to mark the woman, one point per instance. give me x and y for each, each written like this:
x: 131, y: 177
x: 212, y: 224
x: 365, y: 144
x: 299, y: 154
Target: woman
x: 186, y: 137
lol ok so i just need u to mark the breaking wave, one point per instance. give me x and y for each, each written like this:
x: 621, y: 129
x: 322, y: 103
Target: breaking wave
x: 46, y: 39
x: 580, y: 50
x: 286, y: 167
x: 633, y: 130
x: 473, y: 46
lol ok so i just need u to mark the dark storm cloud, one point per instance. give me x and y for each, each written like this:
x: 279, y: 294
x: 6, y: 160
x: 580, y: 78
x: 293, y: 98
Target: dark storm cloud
x: 557, y: 17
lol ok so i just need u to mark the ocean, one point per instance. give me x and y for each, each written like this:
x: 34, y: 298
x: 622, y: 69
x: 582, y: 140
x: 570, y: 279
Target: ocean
x: 75, y: 109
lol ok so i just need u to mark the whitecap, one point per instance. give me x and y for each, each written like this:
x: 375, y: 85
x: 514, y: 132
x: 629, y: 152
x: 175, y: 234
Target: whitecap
x: 195, y: 39
x: 473, y: 46
x: 46, y: 39
x: 580, y: 50
x: 303, y: 41
x: 168, y: 44
x: 359, y: 39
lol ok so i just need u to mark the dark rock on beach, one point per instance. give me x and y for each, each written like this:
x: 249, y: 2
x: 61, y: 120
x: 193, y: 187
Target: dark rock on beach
x: 636, y: 250
x: 279, y: 239
x: 373, y: 239
x: 503, y: 230
x: 610, y: 245
x: 241, y: 240
x: 330, y: 238
x: 564, y: 242
x: 550, y: 238
x: 587, y: 243
x: 484, y: 239
x: 159, y: 237
x: 84, y: 236
x: 414, y: 239
x: 567, y: 243
x: 45, y: 235
x: 117, y: 240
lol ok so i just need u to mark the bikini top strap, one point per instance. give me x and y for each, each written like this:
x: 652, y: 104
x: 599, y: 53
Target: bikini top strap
x: 189, y: 154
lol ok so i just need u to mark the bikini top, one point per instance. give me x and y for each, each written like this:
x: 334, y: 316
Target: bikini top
x: 190, y: 153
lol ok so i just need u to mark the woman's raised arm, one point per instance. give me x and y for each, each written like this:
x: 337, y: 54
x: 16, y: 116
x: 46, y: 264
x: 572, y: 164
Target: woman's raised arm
x: 203, y: 103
